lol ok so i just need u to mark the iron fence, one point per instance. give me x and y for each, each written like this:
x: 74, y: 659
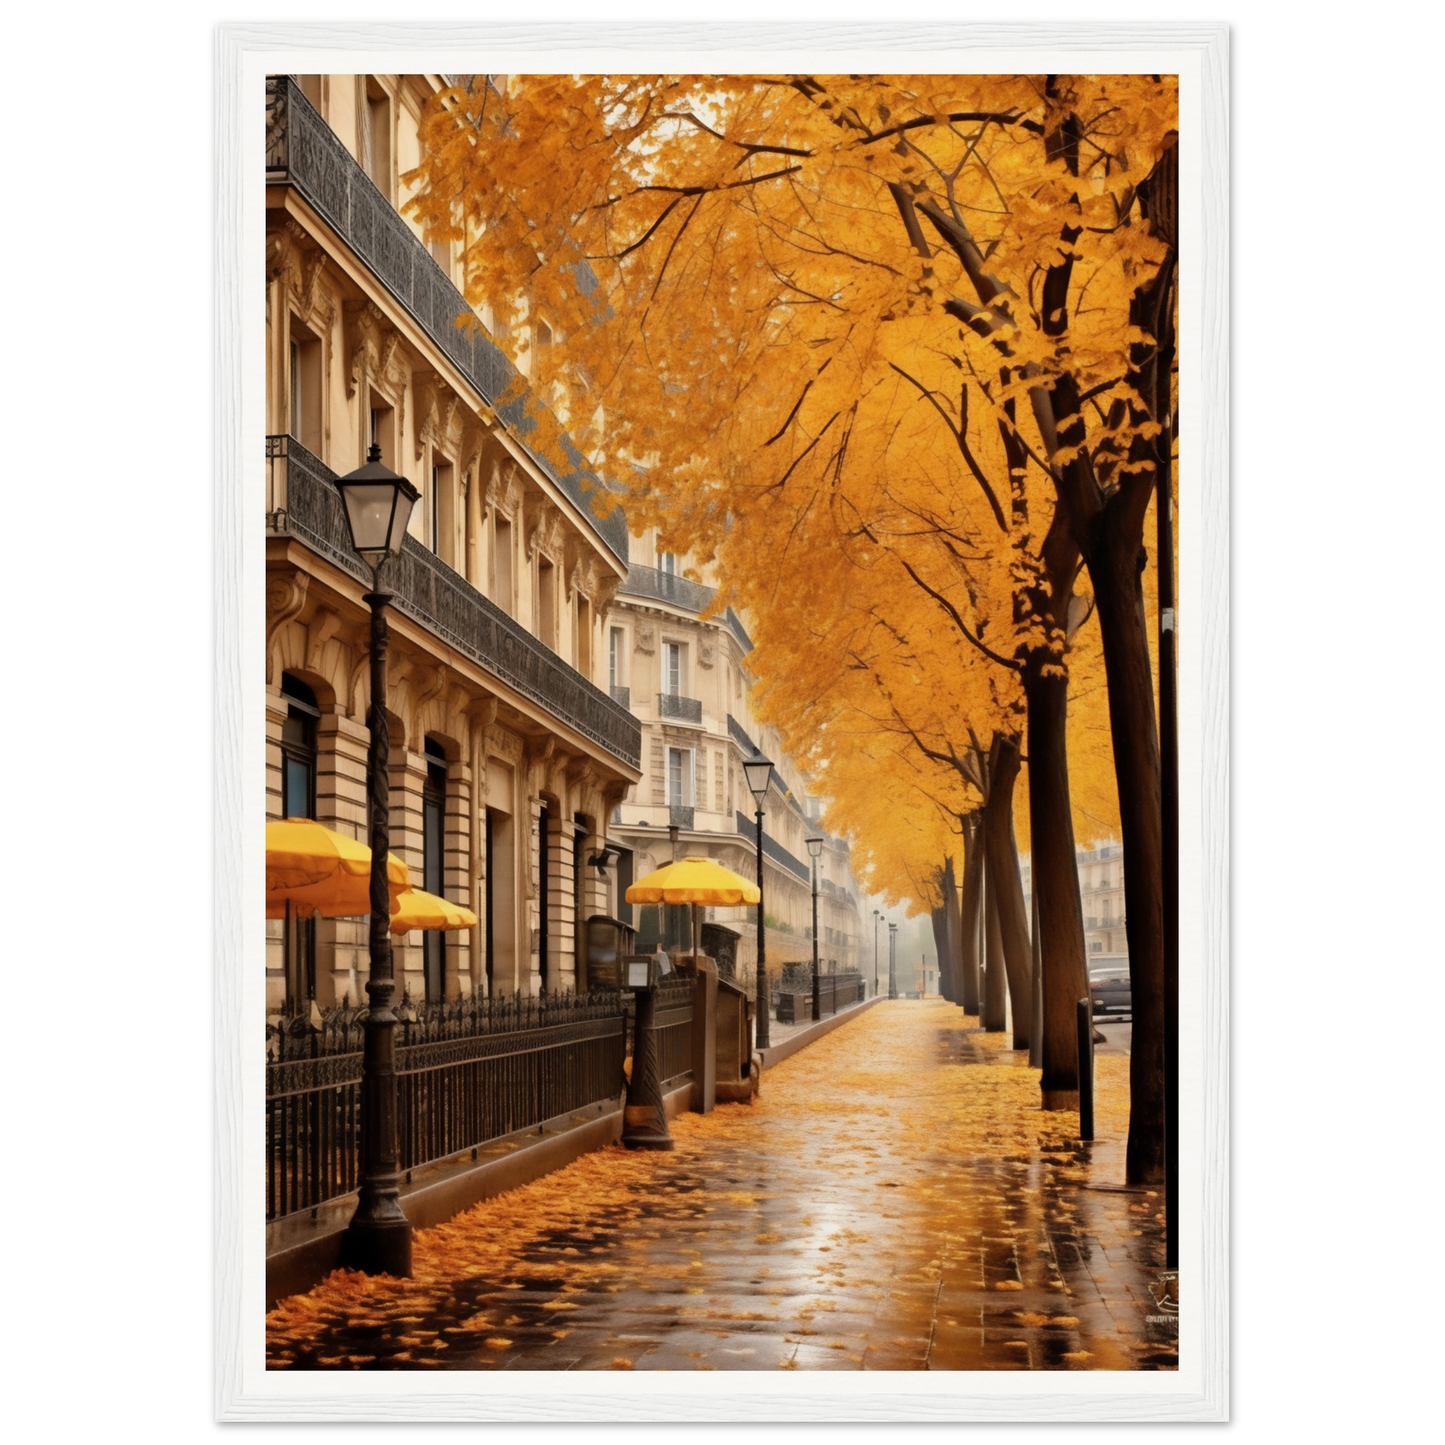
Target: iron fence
x: 672, y: 1027
x: 468, y: 1071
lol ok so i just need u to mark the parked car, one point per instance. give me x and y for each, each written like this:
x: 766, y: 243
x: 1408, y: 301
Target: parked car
x: 1109, y: 992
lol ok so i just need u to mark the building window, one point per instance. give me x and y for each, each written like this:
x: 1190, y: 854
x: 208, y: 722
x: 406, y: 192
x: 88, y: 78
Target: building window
x: 298, y: 800
x: 304, y: 421
x: 584, y: 636
x: 616, y: 643
x: 668, y: 563
x: 547, y: 601
x: 433, y: 845
x: 679, y: 777
x: 443, y: 512
x: 502, y: 593
x: 672, y: 668
x: 382, y: 431
x: 376, y: 136
x: 298, y: 749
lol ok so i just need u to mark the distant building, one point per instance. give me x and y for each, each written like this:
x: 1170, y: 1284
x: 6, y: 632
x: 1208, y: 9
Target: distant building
x: 685, y: 677
x: 1101, y: 890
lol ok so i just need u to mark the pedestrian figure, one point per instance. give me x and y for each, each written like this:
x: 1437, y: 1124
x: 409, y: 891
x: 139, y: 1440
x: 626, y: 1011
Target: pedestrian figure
x: 663, y: 962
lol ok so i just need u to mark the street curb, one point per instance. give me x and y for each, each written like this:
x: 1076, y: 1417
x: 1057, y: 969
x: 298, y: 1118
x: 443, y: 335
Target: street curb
x: 517, y: 1159
x: 524, y: 1156
x: 776, y: 1053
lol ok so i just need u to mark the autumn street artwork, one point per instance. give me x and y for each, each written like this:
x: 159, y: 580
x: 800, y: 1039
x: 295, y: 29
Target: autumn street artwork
x: 721, y: 840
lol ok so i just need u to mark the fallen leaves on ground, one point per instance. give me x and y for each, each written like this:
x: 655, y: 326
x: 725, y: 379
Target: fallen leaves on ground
x: 925, y: 1157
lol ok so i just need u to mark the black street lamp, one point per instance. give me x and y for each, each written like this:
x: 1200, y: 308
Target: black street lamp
x: 815, y: 851
x: 892, y: 960
x: 877, y: 914
x: 759, y: 773
x: 378, y: 1239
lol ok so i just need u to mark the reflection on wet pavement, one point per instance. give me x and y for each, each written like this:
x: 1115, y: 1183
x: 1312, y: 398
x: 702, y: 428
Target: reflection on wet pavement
x: 894, y: 1200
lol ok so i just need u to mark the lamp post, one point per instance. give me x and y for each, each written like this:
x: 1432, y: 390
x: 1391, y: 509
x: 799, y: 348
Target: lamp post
x: 815, y: 851
x: 644, y: 1117
x: 892, y: 960
x: 759, y: 772
x: 876, y: 916
x: 378, y: 1240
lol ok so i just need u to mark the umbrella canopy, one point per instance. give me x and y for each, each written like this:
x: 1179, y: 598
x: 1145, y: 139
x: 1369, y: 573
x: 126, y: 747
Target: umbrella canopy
x: 321, y: 871
x: 694, y: 880
x: 413, y: 908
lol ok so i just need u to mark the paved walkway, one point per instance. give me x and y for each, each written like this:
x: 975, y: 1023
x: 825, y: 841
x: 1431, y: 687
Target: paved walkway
x: 894, y: 1200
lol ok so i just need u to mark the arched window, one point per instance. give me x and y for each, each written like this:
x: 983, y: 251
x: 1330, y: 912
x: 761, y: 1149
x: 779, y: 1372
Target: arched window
x: 298, y: 800
x: 298, y: 749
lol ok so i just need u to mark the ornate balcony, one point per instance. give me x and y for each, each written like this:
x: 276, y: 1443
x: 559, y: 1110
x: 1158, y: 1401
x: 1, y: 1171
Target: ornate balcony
x: 622, y: 696
x: 679, y: 709
x: 772, y: 848
x: 660, y: 586
x: 304, y: 152
x: 679, y: 815
x: 305, y: 505
x: 739, y: 735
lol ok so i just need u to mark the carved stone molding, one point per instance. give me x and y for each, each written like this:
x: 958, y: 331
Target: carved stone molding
x: 605, y: 592
x: 285, y: 597
x: 372, y: 348
x: 706, y: 651
x: 319, y: 631
x: 503, y: 744
x: 645, y: 637
x: 438, y: 408
x: 470, y: 451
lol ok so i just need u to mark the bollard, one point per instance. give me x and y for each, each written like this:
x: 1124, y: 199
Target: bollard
x: 644, y: 1119
x: 1086, y: 1071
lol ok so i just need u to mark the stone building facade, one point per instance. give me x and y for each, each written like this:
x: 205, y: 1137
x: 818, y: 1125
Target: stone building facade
x: 507, y: 757
x: 685, y: 677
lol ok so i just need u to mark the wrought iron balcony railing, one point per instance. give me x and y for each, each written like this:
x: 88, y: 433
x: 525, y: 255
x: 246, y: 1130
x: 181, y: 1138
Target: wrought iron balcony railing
x: 622, y: 696
x: 681, y: 709
x: 304, y: 152
x: 305, y: 504
x: 660, y: 586
x: 663, y: 586
x: 739, y: 735
x: 679, y: 815
x: 772, y: 848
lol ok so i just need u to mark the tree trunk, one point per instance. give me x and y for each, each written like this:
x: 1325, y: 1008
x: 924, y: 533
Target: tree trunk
x: 995, y: 986
x: 955, y: 938
x: 1115, y: 571
x: 1056, y: 883
x: 970, y: 914
x: 938, y: 917
x: 1005, y: 885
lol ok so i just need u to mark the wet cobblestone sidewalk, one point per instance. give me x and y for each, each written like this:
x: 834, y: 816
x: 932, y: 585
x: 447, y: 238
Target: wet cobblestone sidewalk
x: 894, y: 1200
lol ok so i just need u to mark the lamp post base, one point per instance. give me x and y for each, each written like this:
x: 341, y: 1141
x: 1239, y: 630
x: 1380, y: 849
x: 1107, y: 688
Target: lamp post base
x: 378, y: 1246
x: 644, y: 1119
x: 645, y: 1135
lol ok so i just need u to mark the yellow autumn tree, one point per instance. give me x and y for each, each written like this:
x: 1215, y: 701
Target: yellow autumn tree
x: 798, y: 302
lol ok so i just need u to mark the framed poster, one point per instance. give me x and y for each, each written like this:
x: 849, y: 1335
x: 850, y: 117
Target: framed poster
x: 1067, y: 1392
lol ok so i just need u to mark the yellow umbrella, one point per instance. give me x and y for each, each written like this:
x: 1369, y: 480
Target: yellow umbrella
x: 413, y: 908
x: 321, y: 871
x: 695, y: 881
